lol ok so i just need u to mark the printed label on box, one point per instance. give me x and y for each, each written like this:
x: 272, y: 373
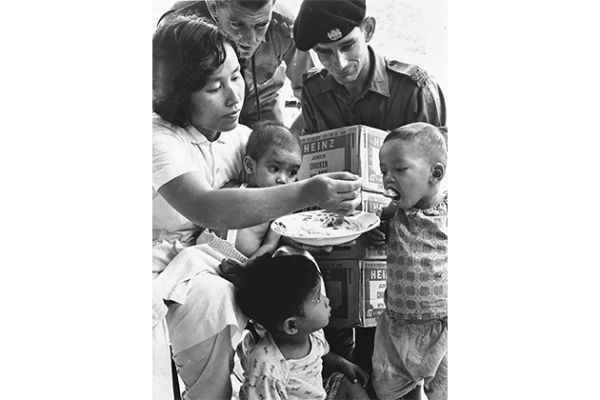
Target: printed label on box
x: 375, y: 275
x: 323, y: 156
x: 353, y: 148
x: 374, y: 143
x: 355, y: 301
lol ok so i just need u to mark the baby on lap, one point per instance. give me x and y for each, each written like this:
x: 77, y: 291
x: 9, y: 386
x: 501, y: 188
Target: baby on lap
x: 273, y: 157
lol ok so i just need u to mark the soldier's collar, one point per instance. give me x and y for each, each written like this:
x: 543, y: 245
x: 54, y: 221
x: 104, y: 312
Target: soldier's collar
x: 379, y: 82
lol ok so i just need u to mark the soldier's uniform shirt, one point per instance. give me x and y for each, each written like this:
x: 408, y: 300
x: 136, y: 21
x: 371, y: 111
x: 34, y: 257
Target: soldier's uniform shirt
x: 398, y: 94
x: 268, y: 58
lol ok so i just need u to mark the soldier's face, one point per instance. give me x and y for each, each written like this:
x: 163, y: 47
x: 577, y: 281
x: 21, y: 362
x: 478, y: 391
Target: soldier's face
x: 345, y: 59
x: 246, y: 27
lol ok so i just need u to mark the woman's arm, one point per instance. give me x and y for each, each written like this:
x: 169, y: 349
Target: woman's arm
x: 195, y: 199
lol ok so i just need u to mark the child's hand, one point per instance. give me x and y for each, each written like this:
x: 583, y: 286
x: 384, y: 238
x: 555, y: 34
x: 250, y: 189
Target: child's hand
x: 355, y: 373
x: 378, y: 236
x: 230, y: 268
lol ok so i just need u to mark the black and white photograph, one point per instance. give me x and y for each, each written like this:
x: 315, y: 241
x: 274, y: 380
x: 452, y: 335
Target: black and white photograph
x: 300, y: 202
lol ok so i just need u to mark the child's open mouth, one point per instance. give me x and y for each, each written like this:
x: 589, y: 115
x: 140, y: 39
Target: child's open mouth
x: 392, y: 194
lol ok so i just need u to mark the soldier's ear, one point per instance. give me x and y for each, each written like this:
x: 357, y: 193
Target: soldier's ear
x: 368, y: 26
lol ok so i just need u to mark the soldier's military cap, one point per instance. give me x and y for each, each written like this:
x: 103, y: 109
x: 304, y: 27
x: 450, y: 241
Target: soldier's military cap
x: 326, y: 21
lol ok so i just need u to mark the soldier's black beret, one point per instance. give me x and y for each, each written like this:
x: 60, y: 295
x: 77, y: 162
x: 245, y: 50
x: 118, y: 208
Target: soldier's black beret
x: 326, y: 21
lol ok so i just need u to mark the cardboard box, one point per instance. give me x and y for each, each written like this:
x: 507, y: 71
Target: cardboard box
x: 355, y: 289
x: 353, y: 148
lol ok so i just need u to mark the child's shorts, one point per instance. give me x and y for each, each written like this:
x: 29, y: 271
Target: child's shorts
x: 406, y: 352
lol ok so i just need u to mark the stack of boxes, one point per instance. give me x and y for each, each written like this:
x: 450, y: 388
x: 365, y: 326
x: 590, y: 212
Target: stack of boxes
x: 355, y: 276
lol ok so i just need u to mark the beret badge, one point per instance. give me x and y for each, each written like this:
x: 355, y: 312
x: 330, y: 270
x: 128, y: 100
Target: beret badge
x: 334, y: 34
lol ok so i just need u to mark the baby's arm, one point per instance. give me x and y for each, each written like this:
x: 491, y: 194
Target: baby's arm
x: 231, y: 267
x: 269, y: 244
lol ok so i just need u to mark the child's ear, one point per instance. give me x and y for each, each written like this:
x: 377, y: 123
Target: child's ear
x: 290, y: 326
x: 248, y: 165
x: 438, y: 171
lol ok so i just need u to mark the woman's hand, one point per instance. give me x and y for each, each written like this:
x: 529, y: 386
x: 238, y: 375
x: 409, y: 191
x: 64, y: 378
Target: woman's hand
x: 337, y: 192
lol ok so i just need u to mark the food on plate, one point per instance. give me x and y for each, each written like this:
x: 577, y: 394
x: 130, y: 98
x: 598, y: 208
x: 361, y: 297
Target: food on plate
x: 320, y: 223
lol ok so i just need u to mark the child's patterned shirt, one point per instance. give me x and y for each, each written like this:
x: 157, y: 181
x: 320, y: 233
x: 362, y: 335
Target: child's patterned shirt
x: 417, y: 263
x: 268, y: 375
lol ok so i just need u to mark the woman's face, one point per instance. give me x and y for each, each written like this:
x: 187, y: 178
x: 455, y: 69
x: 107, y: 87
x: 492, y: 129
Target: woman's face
x: 217, y: 106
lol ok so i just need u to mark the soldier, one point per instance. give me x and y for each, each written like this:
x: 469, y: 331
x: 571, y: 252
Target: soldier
x: 356, y: 85
x: 262, y: 30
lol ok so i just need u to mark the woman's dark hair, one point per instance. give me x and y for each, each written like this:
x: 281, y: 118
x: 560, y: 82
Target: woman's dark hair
x: 185, y: 52
x: 273, y: 289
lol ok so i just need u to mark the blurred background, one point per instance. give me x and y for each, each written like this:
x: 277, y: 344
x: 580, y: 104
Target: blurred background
x: 410, y: 31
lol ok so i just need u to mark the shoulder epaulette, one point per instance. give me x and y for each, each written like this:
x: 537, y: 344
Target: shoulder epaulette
x: 283, y: 24
x: 312, y: 72
x: 416, y: 73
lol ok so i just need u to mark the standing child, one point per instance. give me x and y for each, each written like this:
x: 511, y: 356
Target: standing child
x: 412, y: 334
x: 284, y: 294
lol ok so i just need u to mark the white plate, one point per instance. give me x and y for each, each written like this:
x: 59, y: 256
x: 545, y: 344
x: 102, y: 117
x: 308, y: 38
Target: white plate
x: 307, y: 227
